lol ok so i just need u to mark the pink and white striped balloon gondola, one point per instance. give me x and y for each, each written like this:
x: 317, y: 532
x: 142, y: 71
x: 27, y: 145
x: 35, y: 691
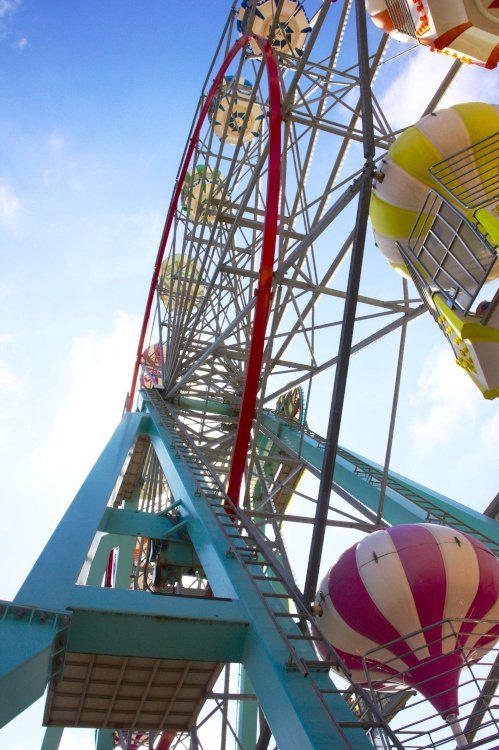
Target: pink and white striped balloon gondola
x: 152, y: 359
x: 412, y: 604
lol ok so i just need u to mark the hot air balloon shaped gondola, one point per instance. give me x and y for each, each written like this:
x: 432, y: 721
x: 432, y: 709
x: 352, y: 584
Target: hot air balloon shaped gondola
x: 152, y: 359
x: 234, y: 114
x: 435, y: 216
x: 200, y: 192
x: 179, y: 284
x: 412, y: 604
x: 467, y: 30
x: 290, y: 29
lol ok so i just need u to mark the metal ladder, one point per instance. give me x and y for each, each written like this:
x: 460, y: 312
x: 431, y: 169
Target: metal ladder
x: 279, y: 594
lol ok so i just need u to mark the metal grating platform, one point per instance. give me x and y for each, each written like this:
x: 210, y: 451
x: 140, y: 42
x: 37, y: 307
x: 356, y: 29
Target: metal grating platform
x: 129, y: 692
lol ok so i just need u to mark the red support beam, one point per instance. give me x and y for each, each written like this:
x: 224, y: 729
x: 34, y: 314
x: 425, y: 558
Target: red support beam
x: 264, y: 287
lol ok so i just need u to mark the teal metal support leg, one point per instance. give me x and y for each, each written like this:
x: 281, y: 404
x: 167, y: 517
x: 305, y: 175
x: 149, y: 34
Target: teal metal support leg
x: 99, y: 562
x: 104, y: 739
x: 52, y: 738
x: 26, y: 656
x: 247, y: 715
x: 127, y: 539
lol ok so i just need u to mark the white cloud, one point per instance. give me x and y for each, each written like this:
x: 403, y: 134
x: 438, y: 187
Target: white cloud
x: 77, y: 742
x: 11, y: 388
x: 410, y: 92
x: 9, y: 380
x: 489, y: 439
x: 98, y: 378
x: 21, y: 43
x: 474, y: 84
x: 9, y: 204
x: 56, y: 143
x: 453, y: 426
x: 7, y: 7
x: 446, y: 399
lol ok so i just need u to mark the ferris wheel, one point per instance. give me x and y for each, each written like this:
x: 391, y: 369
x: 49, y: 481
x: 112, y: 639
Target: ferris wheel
x: 253, y: 309
x: 267, y: 296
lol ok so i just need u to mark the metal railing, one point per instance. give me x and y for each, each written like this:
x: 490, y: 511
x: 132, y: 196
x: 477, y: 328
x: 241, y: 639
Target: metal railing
x: 449, y: 253
x: 475, y: 721
x: 471, y: 175
x: 401, y: 17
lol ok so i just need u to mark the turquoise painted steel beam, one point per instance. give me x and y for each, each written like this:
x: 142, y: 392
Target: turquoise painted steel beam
x: 135, y: 523
x: 109, y: 541
x: 120, y: 529
x: 202, y: 525
x: 104, y: 739
x: 247, y: 715
x: 208, y: 406
x: 296, y: 716
x: 66, y: 555
x: 98, y: 567
x: 52, y: 738
x: 198, y: 637
x: 27, y: 645
x: 140, y: 602
x: 126, y: 547
x: 397, y: 508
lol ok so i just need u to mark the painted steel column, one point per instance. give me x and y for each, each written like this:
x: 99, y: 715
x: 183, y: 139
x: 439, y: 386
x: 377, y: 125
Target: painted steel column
x: 52, y: 738
x: 104, y: 739
x: 247, y: 714
x: 27, y: 646
x: 121, y: 527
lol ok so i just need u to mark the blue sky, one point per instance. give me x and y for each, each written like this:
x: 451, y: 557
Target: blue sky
x: 96, y: 100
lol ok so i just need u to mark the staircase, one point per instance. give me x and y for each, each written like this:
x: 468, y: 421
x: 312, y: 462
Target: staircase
x: 281, y: 598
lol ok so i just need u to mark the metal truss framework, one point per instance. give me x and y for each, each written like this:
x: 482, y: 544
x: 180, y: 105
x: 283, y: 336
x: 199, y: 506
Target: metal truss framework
x: 122, y: 657
x: 212, y: 576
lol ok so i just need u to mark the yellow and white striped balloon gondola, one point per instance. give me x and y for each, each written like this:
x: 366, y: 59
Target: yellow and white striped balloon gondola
x: 465, y: 29
x: 405, y: 179
x: 200, y: 192
x: 233, y: 113
x: 179, y: 284
x: 435, y: 213
x: 291, y: 29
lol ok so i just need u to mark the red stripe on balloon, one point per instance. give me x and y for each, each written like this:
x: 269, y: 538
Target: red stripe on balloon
x: 419, y: 552
x: 354, y: 604
x: 486, y: 595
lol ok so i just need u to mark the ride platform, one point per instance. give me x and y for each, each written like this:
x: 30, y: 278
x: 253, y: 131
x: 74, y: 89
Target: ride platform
x: 106, y: 691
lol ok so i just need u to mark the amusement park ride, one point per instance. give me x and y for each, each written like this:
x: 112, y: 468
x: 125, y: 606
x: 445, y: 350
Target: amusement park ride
x: 177, y: 620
